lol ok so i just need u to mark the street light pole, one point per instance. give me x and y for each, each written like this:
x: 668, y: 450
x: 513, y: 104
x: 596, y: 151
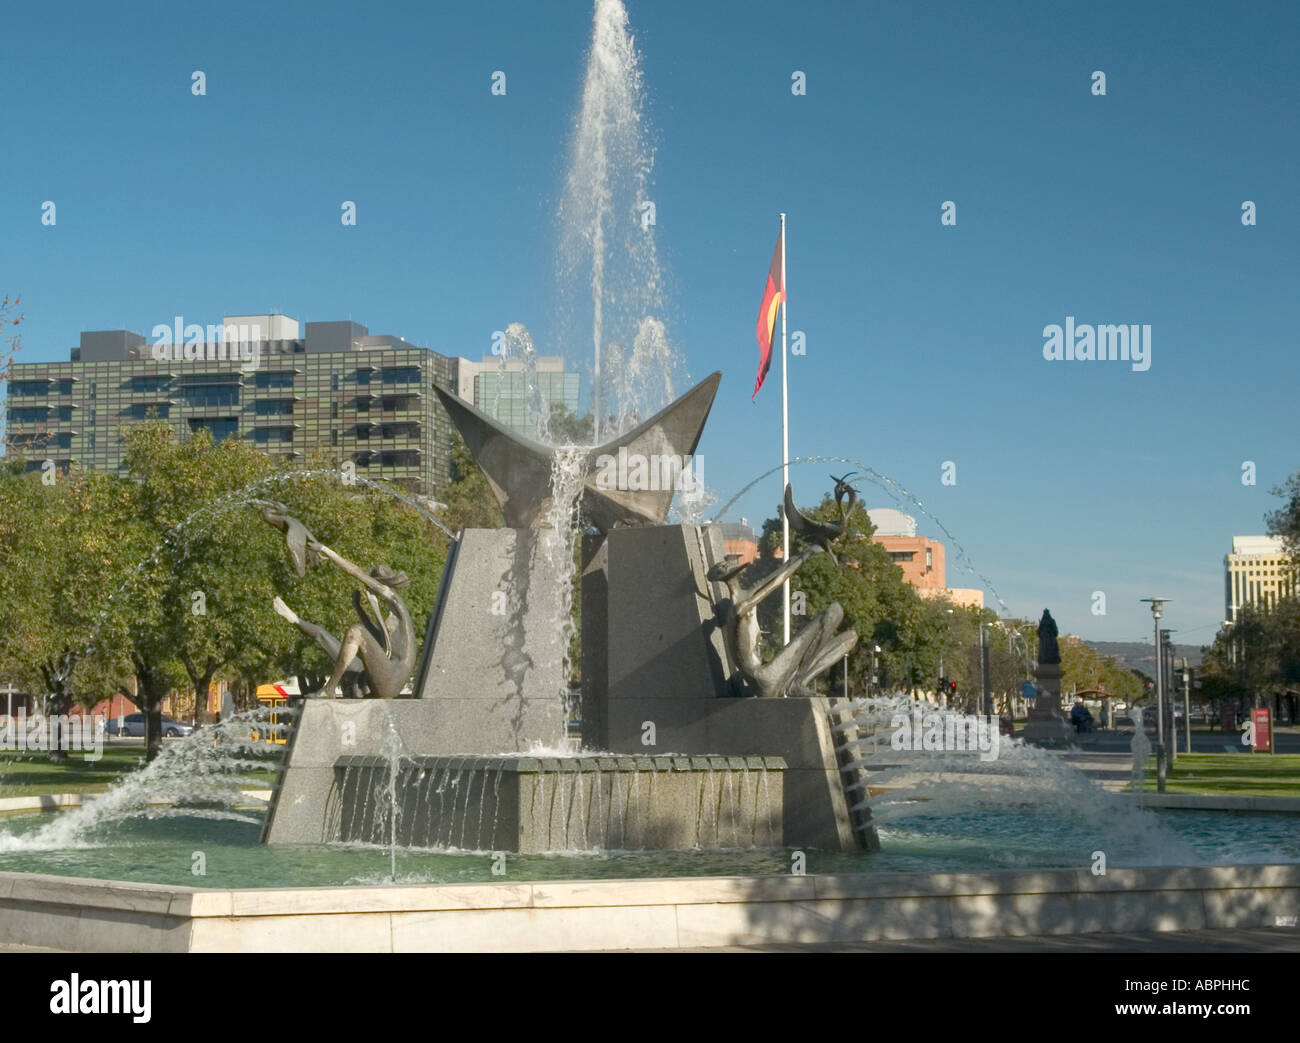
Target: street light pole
x: 984, y: 673
x: 1157, y: 610
x: 1167, y: 650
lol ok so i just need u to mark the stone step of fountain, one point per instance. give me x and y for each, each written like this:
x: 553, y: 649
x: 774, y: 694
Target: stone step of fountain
x: 551, y: 804
x: 853, y: 775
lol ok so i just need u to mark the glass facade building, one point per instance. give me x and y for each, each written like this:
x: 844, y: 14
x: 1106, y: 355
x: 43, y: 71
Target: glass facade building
x: 334, y: 390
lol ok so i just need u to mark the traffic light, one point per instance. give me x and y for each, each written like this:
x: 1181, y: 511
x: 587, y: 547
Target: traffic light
x: 952, y: 687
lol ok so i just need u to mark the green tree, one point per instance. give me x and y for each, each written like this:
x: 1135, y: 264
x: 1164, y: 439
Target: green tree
x: 468, y: 496
x: 877, y: 603
x: 59, y: 558
x: 1285, y: 522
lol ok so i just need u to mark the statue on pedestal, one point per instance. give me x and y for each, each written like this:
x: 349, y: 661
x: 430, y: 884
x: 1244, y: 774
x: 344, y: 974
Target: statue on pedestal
x: 383, y: 645
x: 1048, y: 650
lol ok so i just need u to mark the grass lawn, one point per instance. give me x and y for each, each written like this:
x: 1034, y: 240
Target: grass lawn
x: 1232, y: 774
x: 32, y: 774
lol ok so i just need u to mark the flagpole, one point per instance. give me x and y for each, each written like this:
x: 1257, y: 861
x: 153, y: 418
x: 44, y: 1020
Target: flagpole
x: 785, y: 442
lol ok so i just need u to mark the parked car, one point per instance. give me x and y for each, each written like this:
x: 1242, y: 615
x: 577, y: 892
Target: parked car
x: 133, y: 725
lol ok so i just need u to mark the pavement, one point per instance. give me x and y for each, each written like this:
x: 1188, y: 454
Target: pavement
x: 1247, y: 940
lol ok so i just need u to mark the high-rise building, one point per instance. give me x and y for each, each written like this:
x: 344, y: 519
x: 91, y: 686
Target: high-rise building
x: 292, y: 390
x: 331, y: 387
x: 1257, y: 572
x: 506, y: 390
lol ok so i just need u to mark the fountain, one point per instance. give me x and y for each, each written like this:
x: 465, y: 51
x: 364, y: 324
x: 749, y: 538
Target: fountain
x: 714, y: 798
x: 678, y: 741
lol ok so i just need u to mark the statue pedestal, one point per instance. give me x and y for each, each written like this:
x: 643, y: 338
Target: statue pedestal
x: 1046, y: 724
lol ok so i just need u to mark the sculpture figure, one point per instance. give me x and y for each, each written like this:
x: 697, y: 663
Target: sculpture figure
x: 1048, y: 650
x: 818, y: 645
x: 381, y: 645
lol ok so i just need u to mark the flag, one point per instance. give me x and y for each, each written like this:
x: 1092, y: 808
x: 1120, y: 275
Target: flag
x: 773, y: 299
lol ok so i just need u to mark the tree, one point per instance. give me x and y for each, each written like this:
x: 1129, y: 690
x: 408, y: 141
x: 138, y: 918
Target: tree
x: 215, y: 566
x: 58, y: 558
x: 877, y: 603
x: 1285, y: 522
x: 13, y: 344
x: 468, y: 496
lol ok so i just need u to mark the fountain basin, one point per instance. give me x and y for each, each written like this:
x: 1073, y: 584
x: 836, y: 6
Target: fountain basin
x: 99, y: 916
x: 553, y: 804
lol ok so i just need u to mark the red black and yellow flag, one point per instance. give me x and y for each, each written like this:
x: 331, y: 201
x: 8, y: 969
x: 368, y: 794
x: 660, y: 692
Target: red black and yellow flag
x: 773, y: 299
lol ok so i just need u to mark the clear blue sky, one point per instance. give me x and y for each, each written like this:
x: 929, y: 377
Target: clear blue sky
x: 924, y: 342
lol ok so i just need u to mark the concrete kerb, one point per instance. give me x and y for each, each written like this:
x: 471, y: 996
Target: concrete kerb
x: 58, y: 801
x: 96, y: 915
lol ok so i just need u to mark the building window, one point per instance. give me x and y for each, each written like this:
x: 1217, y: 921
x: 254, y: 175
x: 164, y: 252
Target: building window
x: 274, y: 378
x: 220, y: 428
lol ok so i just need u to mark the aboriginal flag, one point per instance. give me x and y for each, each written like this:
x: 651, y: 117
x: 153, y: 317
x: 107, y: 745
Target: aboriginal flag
x: 773, y: 300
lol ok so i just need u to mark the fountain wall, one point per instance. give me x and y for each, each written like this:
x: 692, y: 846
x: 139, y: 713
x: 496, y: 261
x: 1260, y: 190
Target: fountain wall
x: 541, y: 804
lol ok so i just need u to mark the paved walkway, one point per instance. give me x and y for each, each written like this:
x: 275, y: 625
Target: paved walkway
x: 1263, y: 939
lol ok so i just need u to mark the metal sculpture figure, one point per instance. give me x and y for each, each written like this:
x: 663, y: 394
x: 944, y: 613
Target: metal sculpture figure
x: 381, y: 645
x: 818, y: 645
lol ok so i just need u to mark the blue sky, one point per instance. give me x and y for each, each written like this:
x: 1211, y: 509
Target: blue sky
x: 924, y: 342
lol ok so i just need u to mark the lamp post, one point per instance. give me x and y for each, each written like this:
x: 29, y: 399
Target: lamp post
x: 1171, y: 724
x: 1157, y: 610
x: 983, y: 671
x: 943, y: 696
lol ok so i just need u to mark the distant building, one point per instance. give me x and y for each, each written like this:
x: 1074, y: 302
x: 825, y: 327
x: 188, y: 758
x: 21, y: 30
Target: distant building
x: 739, y: 539
x: 1257, y: 572
x: 292, y: 390
x: 921, y: 559
x: 505, y: 390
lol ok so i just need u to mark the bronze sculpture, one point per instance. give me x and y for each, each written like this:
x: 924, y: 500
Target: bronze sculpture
x: 818, y: 645
x: 381, y: 645
x: 1048, y: 650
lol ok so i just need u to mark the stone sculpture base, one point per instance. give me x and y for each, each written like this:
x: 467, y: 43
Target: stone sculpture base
x: 1046, y: 724
x: 493, y: 655
x: 538, y: 805
x: 329, y: 730
x: 656, y: 670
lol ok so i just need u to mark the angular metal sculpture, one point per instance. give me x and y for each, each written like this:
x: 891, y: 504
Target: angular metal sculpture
x: 818, y: 645
x: 384, y: 645
x: 519, y: 470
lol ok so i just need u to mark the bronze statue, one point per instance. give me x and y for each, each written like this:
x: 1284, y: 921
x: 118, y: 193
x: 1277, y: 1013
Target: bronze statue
x: 818, y: 645
x: 1048, y: 650
x: 818, y: 532
x: 381, y: 645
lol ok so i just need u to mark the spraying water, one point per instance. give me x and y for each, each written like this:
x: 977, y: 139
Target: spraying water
x: 896, y: 491
x: 392, y: 750
x: 518, y: 345
x: 1141, y: 750
x: 204, y: 774
x: 606, y: 223
x: 559, y: 541
x: 959, y: 790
